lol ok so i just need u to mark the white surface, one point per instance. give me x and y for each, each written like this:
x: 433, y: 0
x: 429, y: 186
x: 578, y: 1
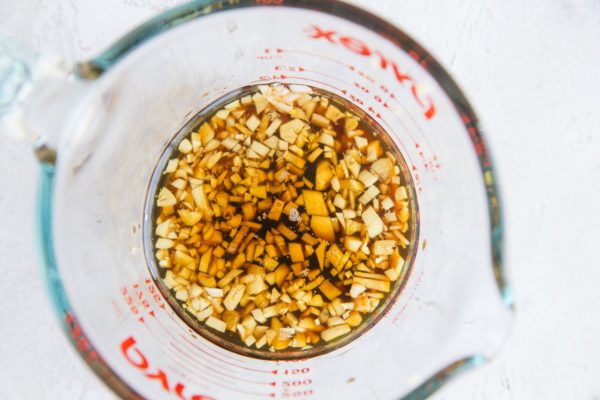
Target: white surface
x: 531, y: 70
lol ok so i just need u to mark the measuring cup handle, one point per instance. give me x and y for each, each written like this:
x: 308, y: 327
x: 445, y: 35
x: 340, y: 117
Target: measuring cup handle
x: 37, y: 95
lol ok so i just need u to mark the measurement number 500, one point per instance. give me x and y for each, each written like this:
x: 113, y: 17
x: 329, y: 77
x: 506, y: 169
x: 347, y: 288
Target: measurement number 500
x: 296, y: 383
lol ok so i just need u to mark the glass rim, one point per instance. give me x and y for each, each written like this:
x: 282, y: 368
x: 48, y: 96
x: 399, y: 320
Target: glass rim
x: 174, y: 17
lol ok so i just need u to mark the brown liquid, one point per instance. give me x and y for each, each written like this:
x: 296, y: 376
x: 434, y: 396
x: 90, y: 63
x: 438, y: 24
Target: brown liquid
x: 371, y: 132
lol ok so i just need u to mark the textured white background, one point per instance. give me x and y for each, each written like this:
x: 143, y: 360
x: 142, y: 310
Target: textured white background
x: 531, y: 70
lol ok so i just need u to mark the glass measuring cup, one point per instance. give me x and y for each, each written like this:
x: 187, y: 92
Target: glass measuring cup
x: 115, y: 114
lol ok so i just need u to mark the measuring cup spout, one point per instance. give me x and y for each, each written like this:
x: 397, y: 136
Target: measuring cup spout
x: 36, y: 96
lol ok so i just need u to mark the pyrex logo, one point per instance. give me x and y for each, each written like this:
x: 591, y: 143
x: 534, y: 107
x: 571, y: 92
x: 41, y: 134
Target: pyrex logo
x: 136, y: 358
x: 357, y: 46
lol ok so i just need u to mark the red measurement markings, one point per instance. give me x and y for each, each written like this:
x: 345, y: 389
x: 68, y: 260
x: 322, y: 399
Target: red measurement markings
x: 201, y: 367
x: 343, y: 91
x: 235, y: 378
x: 154, y: 292
x: 222, y: 384
x: 429, y: 163
x: 297, y: 394
x: 284, y: 372
x: 291, y: 68
x: 157, y: 297
x: 417, y: 178
x: 135, y: 298
x: 178, y: 323
x: 309, y: 53
x: 293, y: 371
x: 418, y: 183
x: 117, y: 307
x: 139, y: 294
x: 392, y: 96
x: 203, y: 346
x: 175, y: 360
x: 376, y: 114
x: 228, y: 362
x: 129, y: 300
x: 136, y: 358
x: 208, y: 374
x: 361, y: 48
x: 362, y: 74
x: 297, y: 385
x: 362, y: 88
x: 356, y: 99
x: 265, y: 78
x: 269, y: 54
x: 175, y: 338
